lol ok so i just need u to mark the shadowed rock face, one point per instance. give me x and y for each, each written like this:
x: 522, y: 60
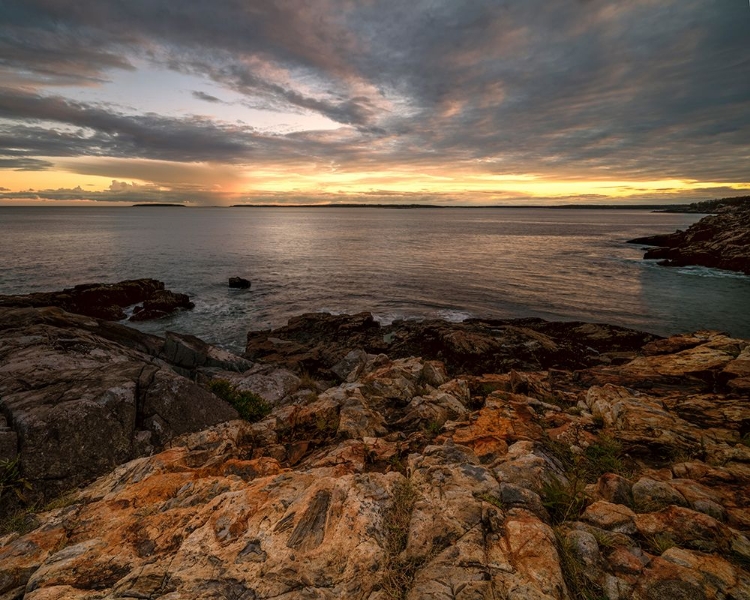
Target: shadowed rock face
x: 407, y: 482
x: 720, y: 241
x: 79, y: 397
x: 317, y: 342
x: 107, y: 300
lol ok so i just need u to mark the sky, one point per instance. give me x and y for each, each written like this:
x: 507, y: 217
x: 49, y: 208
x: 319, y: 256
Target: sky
x: 472, y: 102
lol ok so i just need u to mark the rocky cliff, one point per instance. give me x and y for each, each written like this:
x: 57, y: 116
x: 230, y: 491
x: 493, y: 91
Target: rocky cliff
x: 720, y: 241
x: 627, y: 478
x: 79, y: 396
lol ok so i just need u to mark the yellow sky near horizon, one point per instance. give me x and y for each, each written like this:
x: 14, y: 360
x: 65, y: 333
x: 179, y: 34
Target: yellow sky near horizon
x: 225, y: 184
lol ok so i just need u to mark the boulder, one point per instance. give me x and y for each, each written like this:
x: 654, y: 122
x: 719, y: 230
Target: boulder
x: 189, y: 352
x: 239, y: 283
x: 160, y: 304
x: 79, y: 404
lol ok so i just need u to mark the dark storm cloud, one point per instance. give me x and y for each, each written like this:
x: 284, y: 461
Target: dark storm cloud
x: 605, y: 88
x: 99, y: 131
x: 206, y: 97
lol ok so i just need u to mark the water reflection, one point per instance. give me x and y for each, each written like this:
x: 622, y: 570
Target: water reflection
x: 396, y: 263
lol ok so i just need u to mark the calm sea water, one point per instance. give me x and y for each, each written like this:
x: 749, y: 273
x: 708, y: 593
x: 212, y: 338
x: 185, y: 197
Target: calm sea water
x: 449, y: 263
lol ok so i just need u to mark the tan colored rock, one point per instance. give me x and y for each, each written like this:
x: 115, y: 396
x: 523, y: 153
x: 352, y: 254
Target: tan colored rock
x: 613, y: 517
x: 687, y: 528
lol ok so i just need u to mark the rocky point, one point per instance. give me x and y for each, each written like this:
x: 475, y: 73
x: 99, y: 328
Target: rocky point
x: 720, y: 241
x: 576, y: 461
x: 107, y: 300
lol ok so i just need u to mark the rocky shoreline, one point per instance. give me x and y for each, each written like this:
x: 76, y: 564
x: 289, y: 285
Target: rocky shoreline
x: 485, y: 459
x: 720, y: 241
x: 107, y: 301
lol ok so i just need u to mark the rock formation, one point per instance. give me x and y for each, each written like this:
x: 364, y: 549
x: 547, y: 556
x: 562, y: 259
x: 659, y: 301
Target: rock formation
x: 80, y: 396
x: 720, y: 241
x: 239, y: 283
x: 624, y: 479
x: 107, y: 300
x: 317, y: 342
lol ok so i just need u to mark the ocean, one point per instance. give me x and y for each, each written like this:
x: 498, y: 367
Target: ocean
x: 563, y: 264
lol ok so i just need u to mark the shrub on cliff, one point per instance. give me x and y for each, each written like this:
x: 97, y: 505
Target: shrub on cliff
x: 250, y: 406
x: 11, y: 480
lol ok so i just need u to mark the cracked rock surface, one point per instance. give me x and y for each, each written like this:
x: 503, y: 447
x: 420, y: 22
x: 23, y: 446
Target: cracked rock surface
x: 409, y: 480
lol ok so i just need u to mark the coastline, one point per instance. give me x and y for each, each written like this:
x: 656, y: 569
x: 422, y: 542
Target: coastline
x: 588, y: 439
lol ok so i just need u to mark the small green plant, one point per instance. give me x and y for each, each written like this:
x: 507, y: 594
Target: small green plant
x: 603, y: 456
x: 306, y: 382
x: 659, y: 543
x: 250, y: 406
x: 603, y: 538
x: 11, y: 480
x: 598, y: 421
x: 432, y: 429
x: 563, y: 500
x: 21, y: 521
x: 397, y: 464
x: 496, y: 502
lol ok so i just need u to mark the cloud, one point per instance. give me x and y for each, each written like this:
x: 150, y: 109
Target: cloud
x: 24, y: 164
x: 204, y: 96
x: 636, y: 90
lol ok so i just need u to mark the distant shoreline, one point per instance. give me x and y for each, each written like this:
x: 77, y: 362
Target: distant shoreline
x: 652, y: 207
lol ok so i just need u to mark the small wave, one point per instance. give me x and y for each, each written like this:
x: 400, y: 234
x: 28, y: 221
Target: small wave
x: 454, y: 316
x: 710, y: 272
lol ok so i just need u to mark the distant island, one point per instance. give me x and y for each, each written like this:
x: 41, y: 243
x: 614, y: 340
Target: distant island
x: 157, y: 204
x: 704, y: 207
x: 346, y: 205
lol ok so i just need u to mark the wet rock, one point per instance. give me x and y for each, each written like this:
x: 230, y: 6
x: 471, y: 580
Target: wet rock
x: 104, y: 300
x: 316, y: 342
x: 160, y: 304
x: 239, y: 283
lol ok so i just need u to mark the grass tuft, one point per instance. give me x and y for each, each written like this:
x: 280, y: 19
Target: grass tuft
x: 250, y: 406
x: 399, y: 571
x: 563, y: 500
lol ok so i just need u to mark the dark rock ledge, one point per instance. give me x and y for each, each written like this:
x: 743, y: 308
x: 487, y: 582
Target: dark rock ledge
x: 107, y: 300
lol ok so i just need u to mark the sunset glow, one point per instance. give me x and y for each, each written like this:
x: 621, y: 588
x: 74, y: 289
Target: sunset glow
x: 340, y: 101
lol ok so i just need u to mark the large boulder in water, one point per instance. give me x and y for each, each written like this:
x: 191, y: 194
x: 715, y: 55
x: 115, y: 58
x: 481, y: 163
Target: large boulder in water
x: 239, y: 283
x: 160, y: 304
